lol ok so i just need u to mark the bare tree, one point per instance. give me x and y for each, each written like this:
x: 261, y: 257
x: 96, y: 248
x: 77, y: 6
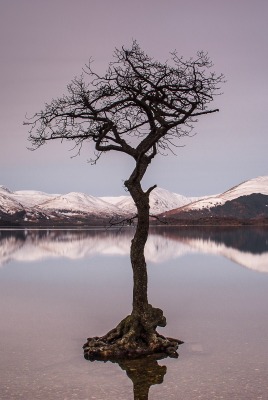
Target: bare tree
x: 139, y: 107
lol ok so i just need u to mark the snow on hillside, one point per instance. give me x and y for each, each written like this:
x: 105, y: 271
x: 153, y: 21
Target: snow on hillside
x: 256, y: 185
x: 113, y: 200
x: 4, y: 190
x: 78, y: 202
x: 31, y: 198
x: 9, y: 205
x: 22, y: 198
x: 161, y: 200
x: 124, y: 204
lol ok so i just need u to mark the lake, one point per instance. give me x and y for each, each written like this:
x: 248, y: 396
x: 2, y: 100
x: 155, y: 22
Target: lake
x: 58, y: 287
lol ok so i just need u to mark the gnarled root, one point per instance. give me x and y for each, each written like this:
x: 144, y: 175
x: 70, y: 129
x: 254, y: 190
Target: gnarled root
x: 134, y: 337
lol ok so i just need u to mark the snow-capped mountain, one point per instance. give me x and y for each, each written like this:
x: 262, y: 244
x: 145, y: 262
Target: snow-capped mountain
x: 76, y: 203
x: 23, y: 208
x: 71, y: 207
x: 8, y: 204
x: 26, y: 198
x: 257, y: 185
x: 31, y: 198
x: 161, y: 200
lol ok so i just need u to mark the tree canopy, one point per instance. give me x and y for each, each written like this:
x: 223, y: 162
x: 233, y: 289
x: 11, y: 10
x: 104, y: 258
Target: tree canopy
x: 139, y: 106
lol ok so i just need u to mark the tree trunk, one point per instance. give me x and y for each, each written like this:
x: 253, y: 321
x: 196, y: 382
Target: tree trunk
x: 137, y: 258
x: 147, y: 317
x: 135, y: 335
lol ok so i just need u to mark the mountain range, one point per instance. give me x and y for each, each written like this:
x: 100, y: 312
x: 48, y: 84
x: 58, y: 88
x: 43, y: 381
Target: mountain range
x: 246, y: 203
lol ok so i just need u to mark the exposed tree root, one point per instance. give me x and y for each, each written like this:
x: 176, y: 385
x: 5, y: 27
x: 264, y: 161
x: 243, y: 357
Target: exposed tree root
x: 134, y: 337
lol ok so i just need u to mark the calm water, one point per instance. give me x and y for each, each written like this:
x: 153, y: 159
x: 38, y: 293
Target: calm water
x: 59, y: 287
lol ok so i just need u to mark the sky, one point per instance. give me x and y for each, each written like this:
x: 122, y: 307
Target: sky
x: 45, y: 44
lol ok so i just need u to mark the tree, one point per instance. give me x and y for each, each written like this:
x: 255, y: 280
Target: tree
x: 139, y: 107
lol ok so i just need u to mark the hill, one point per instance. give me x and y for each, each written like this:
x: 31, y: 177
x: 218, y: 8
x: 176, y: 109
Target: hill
x: 246, y: 203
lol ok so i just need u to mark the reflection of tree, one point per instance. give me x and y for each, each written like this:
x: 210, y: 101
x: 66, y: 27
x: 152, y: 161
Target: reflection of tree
x: 144, y: 373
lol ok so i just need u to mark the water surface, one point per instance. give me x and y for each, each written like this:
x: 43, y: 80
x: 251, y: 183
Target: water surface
x: 59, y: 287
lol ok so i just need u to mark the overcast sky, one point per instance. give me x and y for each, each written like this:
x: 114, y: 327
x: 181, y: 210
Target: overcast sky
x: 45, y: 44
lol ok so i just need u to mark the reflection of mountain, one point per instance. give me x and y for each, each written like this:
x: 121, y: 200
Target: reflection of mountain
x: 34, y: 245
x: 245, y: 246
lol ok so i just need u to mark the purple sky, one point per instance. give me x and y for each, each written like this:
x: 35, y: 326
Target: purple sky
x: 44, y: 44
